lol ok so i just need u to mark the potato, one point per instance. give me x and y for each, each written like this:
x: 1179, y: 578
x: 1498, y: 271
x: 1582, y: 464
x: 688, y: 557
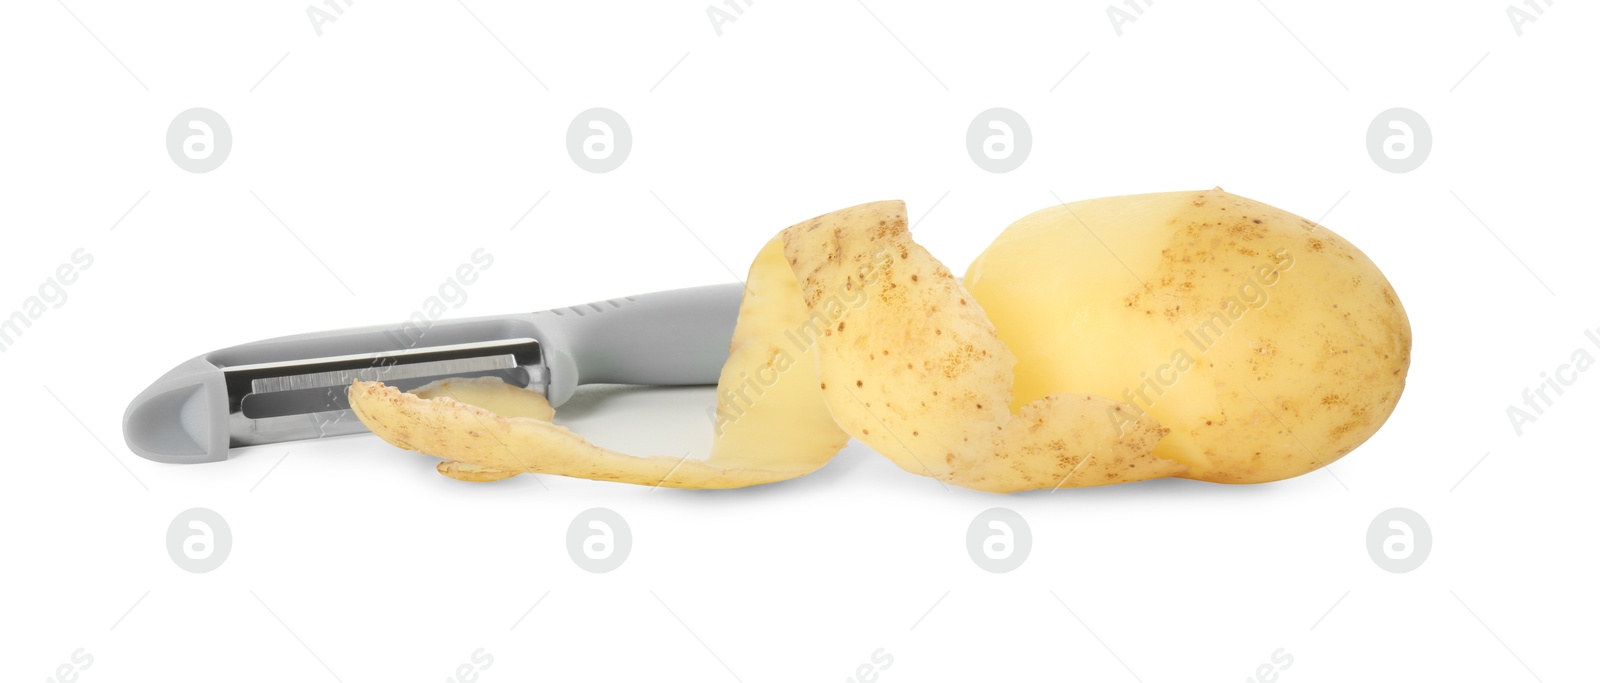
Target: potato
x: 1267, y: 344
x: 1194, y: 334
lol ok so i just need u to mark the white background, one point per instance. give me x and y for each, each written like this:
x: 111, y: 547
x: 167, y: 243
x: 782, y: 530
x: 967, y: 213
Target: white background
x: 409, y: 134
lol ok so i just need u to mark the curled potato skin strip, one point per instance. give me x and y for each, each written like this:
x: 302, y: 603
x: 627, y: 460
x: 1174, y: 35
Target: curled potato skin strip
x: 863, y: 334
x: 919, y: 373
x: 483, y: 446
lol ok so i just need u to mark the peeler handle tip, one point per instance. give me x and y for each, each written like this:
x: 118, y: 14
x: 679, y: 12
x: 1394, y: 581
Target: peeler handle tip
x: 181, y: 418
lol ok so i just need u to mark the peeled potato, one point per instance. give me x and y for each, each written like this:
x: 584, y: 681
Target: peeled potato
x: 1268, y: 345
x: 1193, y: 334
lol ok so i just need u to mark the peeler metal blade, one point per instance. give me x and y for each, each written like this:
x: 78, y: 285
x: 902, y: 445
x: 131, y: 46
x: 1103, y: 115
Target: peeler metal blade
x: 292, y: 400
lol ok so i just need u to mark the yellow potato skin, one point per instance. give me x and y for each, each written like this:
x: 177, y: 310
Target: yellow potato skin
x: 1268, y: 345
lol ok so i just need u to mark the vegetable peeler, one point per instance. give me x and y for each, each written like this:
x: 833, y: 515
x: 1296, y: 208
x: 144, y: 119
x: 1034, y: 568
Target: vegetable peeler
x: 294, y: 388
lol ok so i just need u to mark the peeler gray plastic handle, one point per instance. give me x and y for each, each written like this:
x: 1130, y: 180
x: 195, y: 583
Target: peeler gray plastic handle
x: 292, y: 388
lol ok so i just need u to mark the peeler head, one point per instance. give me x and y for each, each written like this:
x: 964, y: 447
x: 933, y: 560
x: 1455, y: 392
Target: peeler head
x: 296, y: 388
